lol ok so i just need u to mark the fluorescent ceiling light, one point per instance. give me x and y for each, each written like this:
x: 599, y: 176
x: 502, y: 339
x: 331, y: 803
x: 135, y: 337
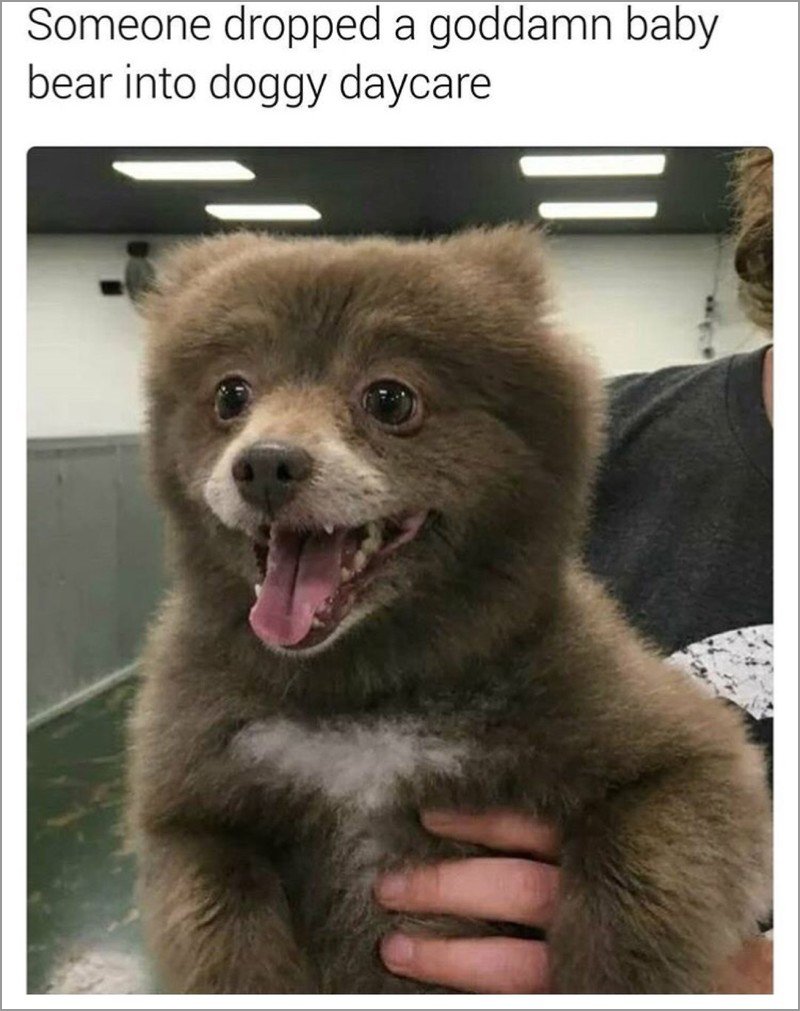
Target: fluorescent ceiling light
x: 264, y: 212
x: 554, y: 210
x: 543, y: 165
x: 183, y: 171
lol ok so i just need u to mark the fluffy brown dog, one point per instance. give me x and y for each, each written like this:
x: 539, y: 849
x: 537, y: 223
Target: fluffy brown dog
x: 390, y: 441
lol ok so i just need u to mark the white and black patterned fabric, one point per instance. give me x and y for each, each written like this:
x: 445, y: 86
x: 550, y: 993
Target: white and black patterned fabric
x: 736, y: 666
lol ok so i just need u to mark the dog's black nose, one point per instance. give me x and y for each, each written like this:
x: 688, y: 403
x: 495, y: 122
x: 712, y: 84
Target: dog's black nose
x: 269, y: 473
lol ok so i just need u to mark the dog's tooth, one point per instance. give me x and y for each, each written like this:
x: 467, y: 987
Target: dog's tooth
x: 346, y: 574
x: 373, y: 539
x: 316, y: 623
x: 257, y: 588
x: 328, y: 528
x: 359, y: 561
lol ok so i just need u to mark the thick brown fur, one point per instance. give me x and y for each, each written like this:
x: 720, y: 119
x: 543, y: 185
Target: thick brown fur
x: 492, y: 671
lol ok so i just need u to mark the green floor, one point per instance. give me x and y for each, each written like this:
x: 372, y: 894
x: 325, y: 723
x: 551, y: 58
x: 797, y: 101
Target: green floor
x: 83, y: 930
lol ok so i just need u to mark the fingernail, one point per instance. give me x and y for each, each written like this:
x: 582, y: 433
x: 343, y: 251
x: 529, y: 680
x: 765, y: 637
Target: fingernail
x: 391, y: 887
x: 397, y: 950
x: 438, y: 819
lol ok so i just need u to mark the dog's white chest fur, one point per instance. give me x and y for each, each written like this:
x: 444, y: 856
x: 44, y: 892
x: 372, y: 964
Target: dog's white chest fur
x: 350, y: 762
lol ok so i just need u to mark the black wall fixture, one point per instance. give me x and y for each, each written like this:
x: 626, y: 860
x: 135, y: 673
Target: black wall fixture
x: 139, y: 271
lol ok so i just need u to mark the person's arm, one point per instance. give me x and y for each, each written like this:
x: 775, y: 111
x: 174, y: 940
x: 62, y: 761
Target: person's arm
x: 516, y: 889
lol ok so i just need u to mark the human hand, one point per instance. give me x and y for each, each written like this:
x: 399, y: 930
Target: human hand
x: 750, y: 971
x: 516, y: 889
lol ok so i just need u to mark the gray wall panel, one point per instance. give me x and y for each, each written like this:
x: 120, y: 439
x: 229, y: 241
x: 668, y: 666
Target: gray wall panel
x: 94, y: 563
x: 48, y: 663
x: 87, y: 547
x: 139, y: 554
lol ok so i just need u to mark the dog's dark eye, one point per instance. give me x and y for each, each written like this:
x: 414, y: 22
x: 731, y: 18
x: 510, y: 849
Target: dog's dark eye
x: 390, y: 402
x: 232, y: 397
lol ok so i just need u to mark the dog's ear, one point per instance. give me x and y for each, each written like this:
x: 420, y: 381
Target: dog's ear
x: 187, y: 260
x: 512, y: 254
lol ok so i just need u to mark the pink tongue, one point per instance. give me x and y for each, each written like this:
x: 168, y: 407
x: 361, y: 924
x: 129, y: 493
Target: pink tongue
x: 302, y: 572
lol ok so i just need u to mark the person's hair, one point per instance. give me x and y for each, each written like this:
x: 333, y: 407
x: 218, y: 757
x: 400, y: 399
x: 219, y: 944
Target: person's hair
x: 752, y: 190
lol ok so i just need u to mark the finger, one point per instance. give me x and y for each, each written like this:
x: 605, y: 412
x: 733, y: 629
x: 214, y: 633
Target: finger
x: 749, y: 971
x: 486, y: 888
x: 499, y: 830
x: 477, y: 965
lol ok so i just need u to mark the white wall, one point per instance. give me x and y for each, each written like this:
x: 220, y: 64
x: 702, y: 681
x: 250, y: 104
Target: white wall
x: 636, y: 300
x: 84, y: 348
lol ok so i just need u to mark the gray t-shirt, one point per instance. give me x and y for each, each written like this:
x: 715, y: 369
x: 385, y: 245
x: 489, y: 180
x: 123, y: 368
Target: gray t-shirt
x: 682, y: 531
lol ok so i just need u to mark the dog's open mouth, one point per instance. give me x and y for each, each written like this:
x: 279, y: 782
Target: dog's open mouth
x: 310, y: 580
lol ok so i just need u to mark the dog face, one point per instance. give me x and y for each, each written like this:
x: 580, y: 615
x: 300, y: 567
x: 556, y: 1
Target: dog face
x: 352, y: 423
